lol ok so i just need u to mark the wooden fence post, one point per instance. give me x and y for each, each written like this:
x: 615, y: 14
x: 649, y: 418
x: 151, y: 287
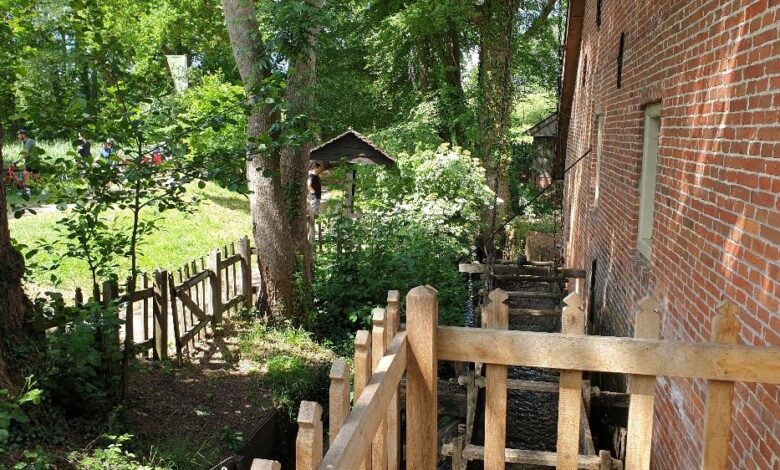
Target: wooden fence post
x: 338, y: 395
x: 393, y: 420
x: 720, y: 394
x: 308, y: 444
x: 259, y: 464
x: 109, y: 293
x: 497, y: 318
x: 570, y: 390
x: 642, y: 389
x: 378, y: 347
x: 160, y: 313
x: 129, y: 320
x: 363, y: 375
x: 422, y: 312
x: 215, y: 281
x: 79, y: 297
x: 245, y: 250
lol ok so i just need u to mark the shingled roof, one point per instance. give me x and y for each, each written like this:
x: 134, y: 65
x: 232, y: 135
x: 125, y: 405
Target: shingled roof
x: 351, y: 147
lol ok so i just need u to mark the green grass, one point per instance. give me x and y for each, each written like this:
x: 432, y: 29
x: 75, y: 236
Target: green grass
x: 221, y: 218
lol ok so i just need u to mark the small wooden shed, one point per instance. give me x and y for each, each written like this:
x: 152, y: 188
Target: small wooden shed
x: 350, y: 148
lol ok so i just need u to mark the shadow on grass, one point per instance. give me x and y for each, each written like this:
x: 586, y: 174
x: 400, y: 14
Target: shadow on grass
x: 232, y: 203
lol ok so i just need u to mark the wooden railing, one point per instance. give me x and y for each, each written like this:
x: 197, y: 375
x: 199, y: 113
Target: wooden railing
x: 369, y: 432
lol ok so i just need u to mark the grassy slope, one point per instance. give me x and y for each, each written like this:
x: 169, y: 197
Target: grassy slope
x: 222, y: 217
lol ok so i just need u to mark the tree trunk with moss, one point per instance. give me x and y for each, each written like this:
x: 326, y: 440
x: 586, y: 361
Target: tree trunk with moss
x: 15, y: 307
x: 276, y: 179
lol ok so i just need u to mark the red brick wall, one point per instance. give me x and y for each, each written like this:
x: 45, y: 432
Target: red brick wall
x: 715, y: 68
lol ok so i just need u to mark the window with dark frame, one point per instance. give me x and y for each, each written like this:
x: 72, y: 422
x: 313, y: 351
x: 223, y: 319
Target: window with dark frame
x: 621, y: 50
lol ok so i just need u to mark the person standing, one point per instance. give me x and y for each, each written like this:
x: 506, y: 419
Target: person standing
x: 30, y: 155
x: 315, y: 195
x: 84, y: 148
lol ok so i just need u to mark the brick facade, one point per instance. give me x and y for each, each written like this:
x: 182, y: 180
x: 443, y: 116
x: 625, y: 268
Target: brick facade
x: 715, y: 68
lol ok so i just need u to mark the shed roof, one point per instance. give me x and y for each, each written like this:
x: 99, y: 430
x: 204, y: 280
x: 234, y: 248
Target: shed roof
x: 351, y: 147
x: 547, y: 127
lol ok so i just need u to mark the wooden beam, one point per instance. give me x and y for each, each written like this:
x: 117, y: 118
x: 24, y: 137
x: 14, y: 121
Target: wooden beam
x: 497, y: 316
x: 720, y: 395
x: 535, y: 312
x: 378, y: 345
x: 393, y: 419
x: 338, y: 397
x: 531, y: 457
x: 362, y: 376
x: 352, y: 444
x: 642, y: 389
x: 570, y: 398
x: 610, y: 354
x: 308, y: 443
x: 421, y: 378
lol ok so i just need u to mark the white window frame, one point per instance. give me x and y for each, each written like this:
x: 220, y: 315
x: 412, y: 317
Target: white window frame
x: 647, y: 183
x: 599, y: 150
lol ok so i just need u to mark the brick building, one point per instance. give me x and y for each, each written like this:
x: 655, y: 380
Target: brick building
x: 680, y: 103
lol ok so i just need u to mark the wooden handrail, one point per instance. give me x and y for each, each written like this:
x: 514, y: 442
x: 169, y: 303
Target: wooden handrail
x: 354, y: 438
x: 711, y: 361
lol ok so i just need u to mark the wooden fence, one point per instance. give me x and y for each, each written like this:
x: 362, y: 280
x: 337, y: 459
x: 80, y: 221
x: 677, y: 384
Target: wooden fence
x: 368, y: 435
x: 191, y: 298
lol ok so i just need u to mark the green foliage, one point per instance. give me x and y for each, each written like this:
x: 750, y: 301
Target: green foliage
x: 13, y: 410
x: 114, y: 456
x: 32, y: 459
x: 295, y: 365
x: 417, y: 223
x: 80, y: 368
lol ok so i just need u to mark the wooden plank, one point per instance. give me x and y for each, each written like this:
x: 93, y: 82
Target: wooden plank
x: 471, y: 268
x: 215, y: 295
x: 642, y: 389
x: 535, y: 295
x: 570, y: 398
x: 352, y: 444
x: 457, y: 453
x: 175, y: 317
x: 497, y: 316
x: 192, y: 281
x: 605, y: 460
x: 229, y: 261
x: 195, y: 329
x: 245, y: 251
x: 235, y: 301
x: 720, y: 395
x: 710, y: 361
x: 338, y: 397
x: 308, y: 443
x: 421, y: 379
x: 187, y: 301
x: 531, y: 457
x: 535, y: 312
x: 362, y: 375
x: 378, y: 345
x: 393, y: 419
x: 160, y: 313
x: 260, y: 464
x: 586, y: 437
x: 526, y: 278
x: 142, y: 294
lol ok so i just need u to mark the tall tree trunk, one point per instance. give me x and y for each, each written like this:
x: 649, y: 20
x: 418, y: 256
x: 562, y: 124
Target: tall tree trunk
x: 452, y: 102
x: 15, y: 307
x: 295, y: 160
x: 270, y: 220
x: 496, y: 27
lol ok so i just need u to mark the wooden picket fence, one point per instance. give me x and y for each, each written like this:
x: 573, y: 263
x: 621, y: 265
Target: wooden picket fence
x: 191, y: 298
x: 368, y: 435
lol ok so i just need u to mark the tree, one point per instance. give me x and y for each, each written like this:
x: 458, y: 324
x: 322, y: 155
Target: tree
x: 274, y: 175
x: 15, y: 307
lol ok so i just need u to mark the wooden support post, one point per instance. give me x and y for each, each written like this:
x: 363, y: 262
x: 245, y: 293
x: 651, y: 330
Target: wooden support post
x: 570, y: 390
x: 338, y: 397
x: 259, y: 464
x: 720, y: 394
x: 378, y: 345
x: 457, y: 453
x: 393, y: 445
x: 497, y: 318
x: 246, y: 270
x: 109, y: 293
x: 79, y: 297
x: 642, y: 388
x: 308, y: 444
x: 160, y: 313
x: 215, y: 280
x: 421, y: 378
x: 605, y: 460
x: 363, y: 375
